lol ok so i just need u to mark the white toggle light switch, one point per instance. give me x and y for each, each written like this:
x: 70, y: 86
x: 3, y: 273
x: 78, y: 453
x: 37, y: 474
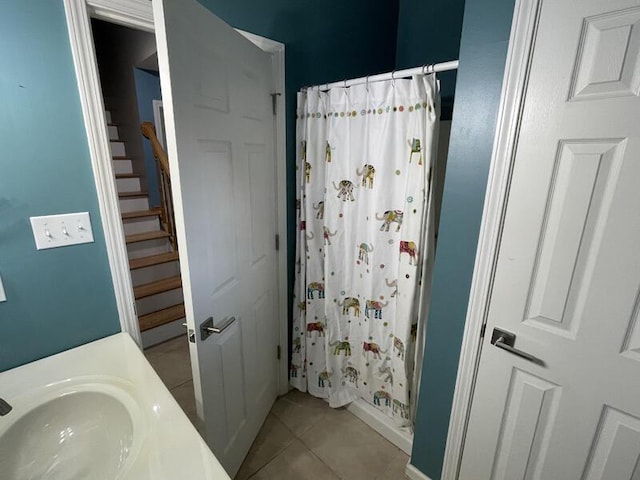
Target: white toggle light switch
x: 61, y: 230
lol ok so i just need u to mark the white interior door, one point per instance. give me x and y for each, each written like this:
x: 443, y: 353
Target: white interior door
x: 217, y: 87
x: 567, y: 280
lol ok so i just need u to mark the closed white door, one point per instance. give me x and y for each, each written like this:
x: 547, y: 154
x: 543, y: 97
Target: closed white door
x: 567, y: 280
x: 216, y: 88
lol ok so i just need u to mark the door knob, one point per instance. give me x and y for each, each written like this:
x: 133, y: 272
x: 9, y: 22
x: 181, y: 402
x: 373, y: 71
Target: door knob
x: 506, y: 341
x: 207, y: 329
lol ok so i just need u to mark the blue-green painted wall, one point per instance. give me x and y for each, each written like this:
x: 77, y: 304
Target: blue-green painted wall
x: 58, y: 298
x: 483, y: 48
x: 429, y: 32
x: 148, y: 90
x: 325, y: 41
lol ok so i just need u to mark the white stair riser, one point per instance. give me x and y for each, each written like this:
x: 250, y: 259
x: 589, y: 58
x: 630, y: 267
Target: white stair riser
x: 148, y: 247
x: 141, y: 225
x: 150, y: 274
x: 128, y: 184
x: 122, y: 166
x: 134, y: 204
x: 113, y: 132
x: 117, y: 149
x: 158, y: 301
x: 163, y: 333
x: 108, y: 115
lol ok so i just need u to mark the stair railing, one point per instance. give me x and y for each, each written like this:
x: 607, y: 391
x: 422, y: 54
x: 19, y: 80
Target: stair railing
x: 167, y: 217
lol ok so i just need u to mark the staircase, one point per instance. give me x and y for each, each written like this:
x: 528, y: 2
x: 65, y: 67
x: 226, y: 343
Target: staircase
x: 151, y: 247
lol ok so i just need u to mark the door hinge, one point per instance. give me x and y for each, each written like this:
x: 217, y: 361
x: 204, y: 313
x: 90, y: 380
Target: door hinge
x: 482, y: 330
x: 277, y: 242
x: 278, y: 354
x: 274, y: 102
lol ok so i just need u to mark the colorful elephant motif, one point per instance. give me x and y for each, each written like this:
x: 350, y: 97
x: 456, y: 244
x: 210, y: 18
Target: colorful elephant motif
x: 320, y: 208
x: 351, y: 374
x: 398, y: 346
x: 376, y: 306
x: 416, y: 148
x: 293, y: 372
x: 315, y: 287
x: 394, y: 285
x: 303, y: 225
x: 302, y: 306
x: 387, y: 373
x: 403, y: 408
x: 348, y: 303
x: 315, y: 327
x: 339, y: 346
x: 326, y: 234
x: 367, y: 173
x: 297, y: 345
x: 410, y: 248
x: 345, y: 190
x: 307, y: 171
x: 324, y: 377
x: 389, y: 217
x: 303, y: 150
x: 373, y: 348
x: 327, y: 152
x: 363, y: 252
x: 382, y: 395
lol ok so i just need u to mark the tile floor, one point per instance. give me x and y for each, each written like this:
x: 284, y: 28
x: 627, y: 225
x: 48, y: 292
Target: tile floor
x: 301, y: 439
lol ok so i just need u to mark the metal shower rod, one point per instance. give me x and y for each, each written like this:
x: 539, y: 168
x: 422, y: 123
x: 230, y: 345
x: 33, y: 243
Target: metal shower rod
x: 432, y: 68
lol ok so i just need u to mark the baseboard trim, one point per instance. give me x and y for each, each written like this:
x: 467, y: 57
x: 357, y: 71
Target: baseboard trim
x: 414, y: 474
x: 381, y: 424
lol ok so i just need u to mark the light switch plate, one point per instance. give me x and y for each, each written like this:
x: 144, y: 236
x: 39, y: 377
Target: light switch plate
x: 53, y: 231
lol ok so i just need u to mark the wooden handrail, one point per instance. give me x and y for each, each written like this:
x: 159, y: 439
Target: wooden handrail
x: 149, y: 131
x: 166, y: 206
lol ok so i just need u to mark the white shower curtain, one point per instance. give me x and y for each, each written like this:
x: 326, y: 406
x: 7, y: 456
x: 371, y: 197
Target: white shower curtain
x: 366, y: 155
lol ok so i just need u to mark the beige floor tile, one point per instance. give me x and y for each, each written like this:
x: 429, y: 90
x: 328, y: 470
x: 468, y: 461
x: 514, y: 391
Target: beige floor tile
x: 180, y: 344
x: 396, y: 467
x: 296, y: 462
x: 272, y: 439
x: 300, y: 411
x: 349, y: 447
x: 185, y: 397
x: 173, y: 367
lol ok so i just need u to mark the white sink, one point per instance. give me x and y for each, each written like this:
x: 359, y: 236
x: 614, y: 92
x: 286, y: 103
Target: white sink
x: 78, y: 435
x: 97, y: 412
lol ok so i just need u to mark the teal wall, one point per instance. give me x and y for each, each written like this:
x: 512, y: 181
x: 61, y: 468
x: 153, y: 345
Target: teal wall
x: 483, y: 48
x: 429, y: 32
x: 148, y: 90
x: 63, y: 297
x: 325, y: 41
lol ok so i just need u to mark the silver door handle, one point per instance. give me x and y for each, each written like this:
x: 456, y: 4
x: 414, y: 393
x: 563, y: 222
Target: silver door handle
x: 207, y: 329
x: 506, y: 341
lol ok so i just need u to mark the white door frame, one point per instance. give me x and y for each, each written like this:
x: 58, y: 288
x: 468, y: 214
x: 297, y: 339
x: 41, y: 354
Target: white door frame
x: 138, y: 14
x: 517, y: 69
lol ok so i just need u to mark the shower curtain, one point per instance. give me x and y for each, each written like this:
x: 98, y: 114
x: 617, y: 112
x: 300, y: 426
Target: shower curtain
x: 365, y: 160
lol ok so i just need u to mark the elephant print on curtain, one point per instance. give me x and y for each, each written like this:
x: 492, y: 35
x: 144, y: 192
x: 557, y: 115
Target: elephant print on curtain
x: 364, y: 161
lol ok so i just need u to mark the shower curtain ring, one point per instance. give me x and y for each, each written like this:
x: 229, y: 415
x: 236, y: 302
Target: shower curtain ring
x: 423, y: 67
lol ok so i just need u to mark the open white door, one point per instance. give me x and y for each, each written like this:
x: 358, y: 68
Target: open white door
x: 217, y: 87
x: 567, y: 280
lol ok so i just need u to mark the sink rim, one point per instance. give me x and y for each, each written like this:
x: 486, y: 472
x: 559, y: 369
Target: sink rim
x: 114, y: 387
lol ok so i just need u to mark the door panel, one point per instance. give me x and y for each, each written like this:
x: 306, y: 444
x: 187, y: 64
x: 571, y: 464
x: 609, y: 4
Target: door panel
x: 217, y: 88
x: 567, y: 279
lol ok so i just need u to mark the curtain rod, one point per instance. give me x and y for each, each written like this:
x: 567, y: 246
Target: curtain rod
x: 433, y: 68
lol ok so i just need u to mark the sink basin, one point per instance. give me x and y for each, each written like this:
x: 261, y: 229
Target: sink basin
x: 98, y: 412
x: 77, y: 434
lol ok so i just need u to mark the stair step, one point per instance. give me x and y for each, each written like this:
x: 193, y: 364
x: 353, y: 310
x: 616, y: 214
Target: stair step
x: 132, y: 194
x: 152, y: 260
x: 128, y: 175
x: 161, y: 317
x: 120, y: 157
x: 141, y: 237
x: 158, y: 286
x: 153, y: 212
